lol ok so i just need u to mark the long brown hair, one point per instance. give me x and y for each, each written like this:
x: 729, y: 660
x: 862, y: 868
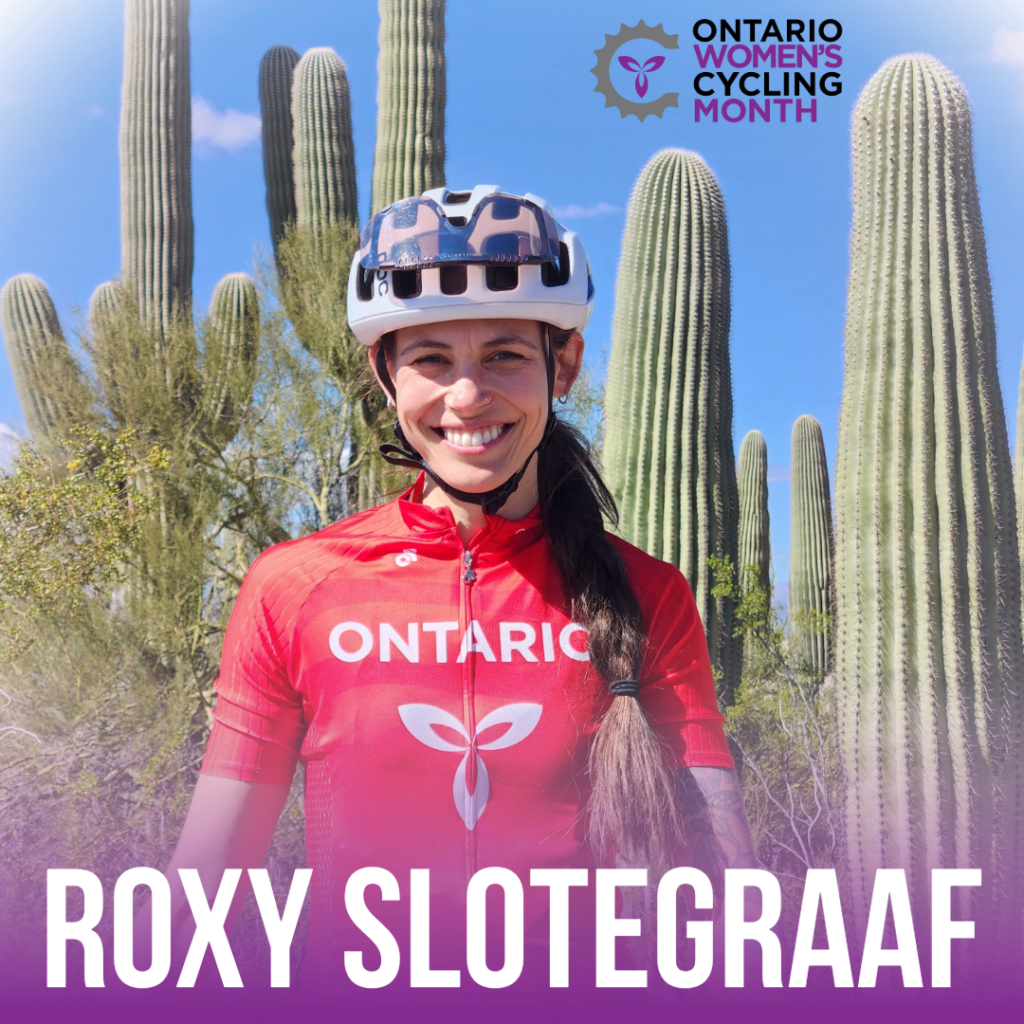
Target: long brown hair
x: 632, y: 810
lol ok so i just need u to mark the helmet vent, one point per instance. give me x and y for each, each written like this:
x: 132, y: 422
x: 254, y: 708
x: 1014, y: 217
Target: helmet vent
x: 406, y: 284
x: 554, y: 275
x: 502, y: 277
x: 453, y: 279
x: 455, y: 198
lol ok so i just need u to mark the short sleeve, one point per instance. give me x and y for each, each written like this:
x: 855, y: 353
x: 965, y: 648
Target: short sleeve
x: 258, y: 718
x: 677, y: 689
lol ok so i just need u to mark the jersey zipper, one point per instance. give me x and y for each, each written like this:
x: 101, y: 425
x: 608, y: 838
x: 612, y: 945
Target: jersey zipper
x: 469, y: 697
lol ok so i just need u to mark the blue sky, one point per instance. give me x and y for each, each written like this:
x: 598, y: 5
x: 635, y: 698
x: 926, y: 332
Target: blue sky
x: 522, y: 112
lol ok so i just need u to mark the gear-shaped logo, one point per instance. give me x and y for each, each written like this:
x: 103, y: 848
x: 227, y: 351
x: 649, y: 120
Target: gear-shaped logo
x: 602, y: 70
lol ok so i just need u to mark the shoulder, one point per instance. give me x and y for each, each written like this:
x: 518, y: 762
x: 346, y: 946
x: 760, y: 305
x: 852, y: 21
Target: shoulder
x: 652, y: 578
x: 287, y: 572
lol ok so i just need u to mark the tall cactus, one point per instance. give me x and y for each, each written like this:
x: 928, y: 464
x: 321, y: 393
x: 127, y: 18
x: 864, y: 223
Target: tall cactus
x: 668, y: 450
x: 103, y: 302
x: 276, y: 71
x: 50, y: 387
x: 411, y: 86
x: 928, y: 648
x: 229, y: 354
x: 754, y: 531
x: 156, y: 154
x: 324, y: 156
x: 811, y: 582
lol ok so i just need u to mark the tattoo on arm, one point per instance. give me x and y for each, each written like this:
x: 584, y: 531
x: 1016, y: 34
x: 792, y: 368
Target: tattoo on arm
x: 711, y: 805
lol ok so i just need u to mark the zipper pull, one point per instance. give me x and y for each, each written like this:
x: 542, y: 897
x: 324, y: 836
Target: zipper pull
x: 469, y: 576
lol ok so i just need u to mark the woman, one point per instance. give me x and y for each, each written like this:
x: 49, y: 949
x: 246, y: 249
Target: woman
x: 475, y: 674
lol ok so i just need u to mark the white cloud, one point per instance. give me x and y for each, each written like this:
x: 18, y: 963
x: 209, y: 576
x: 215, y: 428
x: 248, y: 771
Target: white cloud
x: 228, y: 130
x: 10, y: 443
x: 778, y: 474
x: 1007, y: 47
x: 95, y: 111
x: 575, y: 210
x: 8, y: 99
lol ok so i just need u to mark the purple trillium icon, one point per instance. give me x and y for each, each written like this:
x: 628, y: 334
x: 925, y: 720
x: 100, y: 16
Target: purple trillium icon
x: 632, y: 64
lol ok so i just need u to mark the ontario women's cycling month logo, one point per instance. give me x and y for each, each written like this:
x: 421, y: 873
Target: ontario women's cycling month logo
x: 743, y: 70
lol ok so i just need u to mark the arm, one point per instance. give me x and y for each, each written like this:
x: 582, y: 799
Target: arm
x: 711, y: 806
x: 229, y: 825
x: 717, y: 834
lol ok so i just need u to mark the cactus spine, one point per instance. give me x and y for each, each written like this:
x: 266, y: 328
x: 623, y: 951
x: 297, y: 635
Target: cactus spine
x: 276, y: 70
x: 324, y: 156
x: 410, y: 152
x: 156, y: 154
x: 811, y: 585
x: 52, y: 393
x: 928, y: 647
x: 229, y: 353
x: 668, y: 450
x: 754, y: 532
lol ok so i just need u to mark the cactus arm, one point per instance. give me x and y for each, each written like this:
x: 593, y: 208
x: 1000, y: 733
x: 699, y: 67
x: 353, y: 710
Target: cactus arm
x: 50, y: 387
x: 156, y: 154
x: 323, y: 155
x: 411, y: 91
x: 229, y: 354
x: 275, y: 83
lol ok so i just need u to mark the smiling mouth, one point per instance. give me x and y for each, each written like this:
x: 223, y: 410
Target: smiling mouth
x: 465, y: 439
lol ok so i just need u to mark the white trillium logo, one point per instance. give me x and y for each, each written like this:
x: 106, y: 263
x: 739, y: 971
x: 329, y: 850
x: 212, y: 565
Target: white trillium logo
x: 420, y: 719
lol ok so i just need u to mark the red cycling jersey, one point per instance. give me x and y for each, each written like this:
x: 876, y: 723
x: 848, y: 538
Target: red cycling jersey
x: 441, y: 701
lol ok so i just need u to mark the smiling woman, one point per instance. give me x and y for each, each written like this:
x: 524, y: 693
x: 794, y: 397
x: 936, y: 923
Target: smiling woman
x: 485, y: 612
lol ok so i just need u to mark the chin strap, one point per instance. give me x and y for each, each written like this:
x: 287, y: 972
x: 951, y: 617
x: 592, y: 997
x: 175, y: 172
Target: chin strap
x: 403, y: 453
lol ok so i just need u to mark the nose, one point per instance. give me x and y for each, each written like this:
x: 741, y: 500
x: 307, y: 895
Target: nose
x: 468, y: 394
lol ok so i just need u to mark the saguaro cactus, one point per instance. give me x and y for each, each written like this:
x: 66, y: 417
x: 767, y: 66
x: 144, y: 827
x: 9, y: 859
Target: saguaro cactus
x: 276, y: 70
x: 668, y: 450
x: 103, y: 301
x: 52, y: 393
x: 156, y: 154
x: 229, y: 353
x: 928, y: 647
x: 324, y: 156
x: 811, y: 585
x: 409, y: 156
x: 754, y: 532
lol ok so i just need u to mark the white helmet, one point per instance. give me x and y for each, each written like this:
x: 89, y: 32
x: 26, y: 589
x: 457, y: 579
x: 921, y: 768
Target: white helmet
x: 483, y: 254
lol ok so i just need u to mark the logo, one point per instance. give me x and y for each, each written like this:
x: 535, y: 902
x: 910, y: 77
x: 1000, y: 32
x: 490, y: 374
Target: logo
x: 407, y: 557
x: 420, y: 720
x: 602, y: 70
x: 632, y: 64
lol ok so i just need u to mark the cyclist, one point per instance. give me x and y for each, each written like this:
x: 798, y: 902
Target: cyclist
x: 475, y: 674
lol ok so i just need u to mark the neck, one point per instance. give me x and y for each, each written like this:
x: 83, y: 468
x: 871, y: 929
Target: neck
x: 470, y: 518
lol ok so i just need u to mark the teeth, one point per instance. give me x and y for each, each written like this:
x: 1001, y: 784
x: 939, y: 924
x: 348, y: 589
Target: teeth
x: 466, y: 439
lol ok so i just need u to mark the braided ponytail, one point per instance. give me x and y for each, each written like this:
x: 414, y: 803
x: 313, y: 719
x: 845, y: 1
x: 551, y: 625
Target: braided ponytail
x: 632, y: 810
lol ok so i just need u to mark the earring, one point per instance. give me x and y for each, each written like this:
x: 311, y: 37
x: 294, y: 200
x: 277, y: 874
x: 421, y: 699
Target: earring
x: 391, y: 404
x: 564, y: 399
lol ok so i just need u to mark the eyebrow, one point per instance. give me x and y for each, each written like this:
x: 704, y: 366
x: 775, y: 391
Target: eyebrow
x: 505, y: 339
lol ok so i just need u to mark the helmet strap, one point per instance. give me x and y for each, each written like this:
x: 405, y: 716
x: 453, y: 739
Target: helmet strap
x: 403, y: 454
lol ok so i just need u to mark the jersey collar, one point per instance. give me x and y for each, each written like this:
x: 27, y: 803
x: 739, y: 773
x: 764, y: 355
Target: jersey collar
x: 499, y: 532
